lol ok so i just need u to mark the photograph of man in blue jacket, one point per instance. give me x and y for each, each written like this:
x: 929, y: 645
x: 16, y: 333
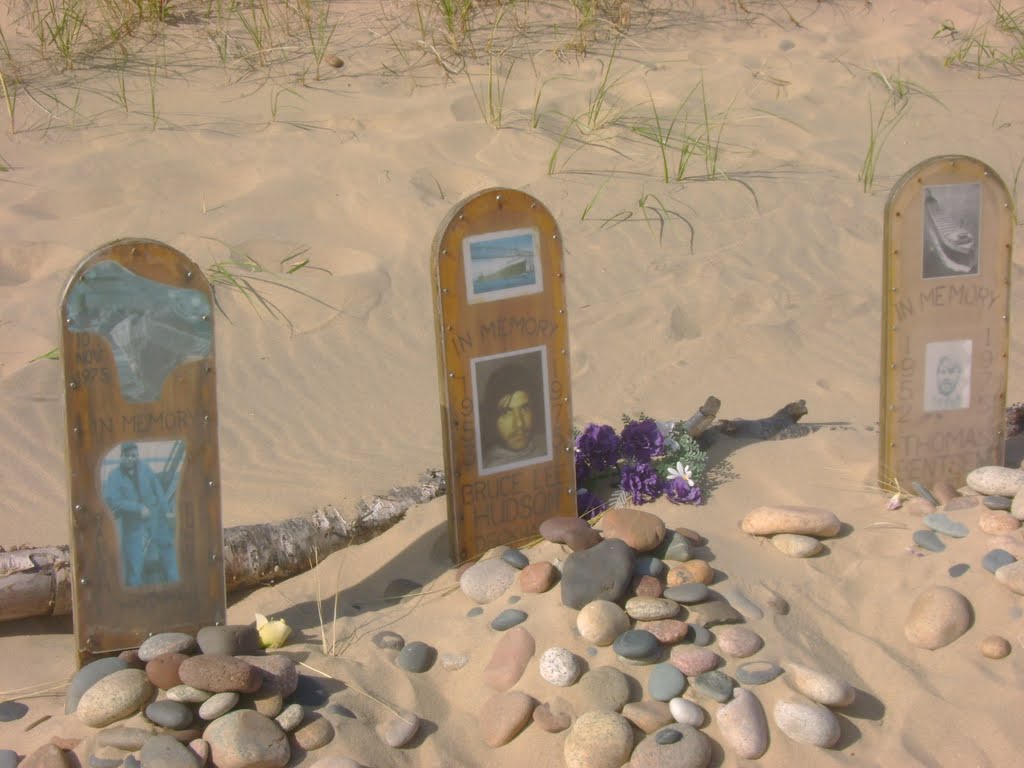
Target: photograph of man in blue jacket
x: 141, y: 505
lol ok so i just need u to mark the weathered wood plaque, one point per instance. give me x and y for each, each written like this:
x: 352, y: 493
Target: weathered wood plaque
x: 945, y: 322
x: 503, y: 364
x: 140, y: 389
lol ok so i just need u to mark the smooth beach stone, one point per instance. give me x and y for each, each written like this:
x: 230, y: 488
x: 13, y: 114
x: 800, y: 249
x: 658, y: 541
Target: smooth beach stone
x: 997, y: 502
x: 1010, y: 576
x: 693, y: 661
x: 820, y: 687
x: 804, y: 721
x: 574, y: 532
x: 651, y: 608
x: 163, y: 670
x: 996, y: 481
x: 601, y: 688
x: 665, y: 682
x: 229, y: 639
x: 674, y: 546
x: 486, y: 581
x: 797, y: 545
x: 924, y: 493
x: 167, y: 642
x: 668, y: 631
x: 737, y: 599
x: 641, y: 530
x: 559, y: 666
x: 474, y: 612
x: 699, y: 635
x: 647, y: 715
x: 170, y: 714
x: 290, y: 718
x: 738, y: 642
x: 714, y: 613
x: 167, y: 752
x: 11, y: 711
x: 928, y: 539
x: 995, y: 647
x: 1017, y: 507
x: 392, y: 641
x: 269, y: 704
x: 217, y: 705
x: 279, y: 673
x: 247, y: 739
x: 958, y: 570
x: 123, y: 737
x: 962, y: 503
x: 314, y: 734
x: 8, y: 758
x: 201, y: 750
x: 601, y: 622
x: 398, y: 730
x: 667, y: 736
x: 217, y: 672
x: 686, y: 712
x: 118, y: 695
x: 937, y: 521
x: 715, y: 685
x: 553, y: 716
x: 692, y: 750
x: 186, y: 694
x: 453, y: 662
x: 648, y: 566
x: 513, y: 599
x: 690, y: 572
x: 598, y: 740
x: 938, y: 616
x: 510, y: 658
x: 416, y: 656
x: 603, y: 572
x: 87, y: 676
x: 504, y: 715
x: 997, y: 523
x: 646, y: 586
x: 507, y: 619
x: 538, y: 577
x: 744, y: 725
x: 996, y: 558
x: 515, y: 558
x: 636, y: 645
x: 688, y: 594
x: 809, y: 521
x: 757, y: 672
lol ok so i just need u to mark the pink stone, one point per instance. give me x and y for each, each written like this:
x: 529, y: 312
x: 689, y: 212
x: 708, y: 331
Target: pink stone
x: 510, y: 658
x: 537, y: 577
x: 998, y: 523
x: 961, y: 503
x: 668, y: 631
x: 647, y: 586
x: 640, y: 530
x: 693, y: 661
x: 738, y: 642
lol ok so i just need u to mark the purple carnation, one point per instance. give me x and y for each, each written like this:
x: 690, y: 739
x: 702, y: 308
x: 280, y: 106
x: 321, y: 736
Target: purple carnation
x: 641, y: 440
x: 641, y: 482
x: 681, y: 492
x: 587, y: 504
x: 598, y: 445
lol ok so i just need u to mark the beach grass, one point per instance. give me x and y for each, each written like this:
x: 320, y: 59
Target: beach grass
x: 994, y: 46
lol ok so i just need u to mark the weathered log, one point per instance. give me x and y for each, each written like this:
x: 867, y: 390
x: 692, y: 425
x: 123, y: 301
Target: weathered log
x: 37, y: 581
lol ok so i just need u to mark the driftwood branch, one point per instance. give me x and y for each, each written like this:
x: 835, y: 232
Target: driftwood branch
x: 37, y: 581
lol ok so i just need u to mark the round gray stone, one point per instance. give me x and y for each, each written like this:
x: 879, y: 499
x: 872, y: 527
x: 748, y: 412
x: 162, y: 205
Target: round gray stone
x: 715, y: 685
x: 393, y: 641
x: 474, y: 612
x: 416, y: 657
x: 688, y: 594
x: 998, y: 502
x: 507, y: 619
x: 757, y: 672
x: 928, y: 539
x: 665, y: 682
x: 699, y: 635
x: 229, y: 639
x: 167, y: 642
x: 8, y: 758
x: 170, y: 714
x: 515, y: 558
x: 995, y: 559
x: 636, y: 645
x: 649, y: 566
x: 603, y: 572
x: 674, y: 546
x: 668, y: 736
x: 942, y: 523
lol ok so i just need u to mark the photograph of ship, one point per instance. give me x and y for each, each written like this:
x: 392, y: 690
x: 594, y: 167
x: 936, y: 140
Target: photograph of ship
x: 152, y: 328
x: 952, y: 215
x: 500, y: 265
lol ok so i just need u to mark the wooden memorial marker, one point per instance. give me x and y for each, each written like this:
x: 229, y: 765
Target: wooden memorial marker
x: 503, y: 363
x: 945, y: 322
x: 140, y: 384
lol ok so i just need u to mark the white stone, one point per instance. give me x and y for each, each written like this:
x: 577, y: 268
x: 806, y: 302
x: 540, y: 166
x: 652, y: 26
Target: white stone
x: 738, y: 642
x: 559, y: 666
x: 743, y: 725
x: 686, y: 712
x: 804, y: 721
x: 821, y: 687
x: 651, y: 608
x: 601, y: 621
x: 797, y: 545
x: 996, y: 481
x: 487, y: 580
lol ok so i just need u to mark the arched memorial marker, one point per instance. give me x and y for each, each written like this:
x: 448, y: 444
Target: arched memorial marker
x: 140, y: 390
x: 503, y: 363
x: 945, y: 322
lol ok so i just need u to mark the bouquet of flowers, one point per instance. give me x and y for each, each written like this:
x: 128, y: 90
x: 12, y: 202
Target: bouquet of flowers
x: 646, y: 460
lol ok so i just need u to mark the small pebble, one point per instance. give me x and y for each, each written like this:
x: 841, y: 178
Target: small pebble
x: 668, y: 736
x: 170, y: 714
x: 995, y: 647
x: 928, y: 539
x: 995, y: 559
x: 649, y: 566
x: 997, y: 502
x: 559, y: 666
x: 393, y: 641
x: 507, y: 619
x: 217, y: 705
x: 715, y: 685
x: 699, y: 635
x: 513, y: 599
x: 416, y: 657
x: 688, y: 594
x: 757, y: 672
x: 687, y: 712
x: 333, y: 60
x: 666, y: 682
x: 12, y: 710
x: 942, y: 523
x: 958, y: 570
x: 472, y: 612
x: 636, y: 645
x: 454, y: 661
x: 515, y: 558
x: 925, y: 494
x: 399, y: 729
x: 291, y: 717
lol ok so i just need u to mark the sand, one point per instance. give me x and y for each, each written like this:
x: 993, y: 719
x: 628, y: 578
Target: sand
x: 777, y: 297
